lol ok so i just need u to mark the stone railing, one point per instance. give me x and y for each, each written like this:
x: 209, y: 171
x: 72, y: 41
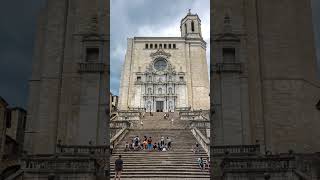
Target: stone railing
x: 82, y: 150
x: 136, y: 109
x: 191, y: 115
x: 91, y: 67
x: 56, y: 164
x: 202, y: 140
x: 227, y: 67
x: 200, y: 124
x: 120, y: 124
x: 183, y: 109
x: 258, y: 164
x: 129, y: 115
x: 118, y: 136
x: 235, y: 150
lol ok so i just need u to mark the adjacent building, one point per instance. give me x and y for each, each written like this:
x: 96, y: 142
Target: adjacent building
x: 264, y: 75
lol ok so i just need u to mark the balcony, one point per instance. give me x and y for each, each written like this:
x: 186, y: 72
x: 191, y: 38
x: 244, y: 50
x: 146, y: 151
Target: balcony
x: 91, y: 67
x: 227, y: 67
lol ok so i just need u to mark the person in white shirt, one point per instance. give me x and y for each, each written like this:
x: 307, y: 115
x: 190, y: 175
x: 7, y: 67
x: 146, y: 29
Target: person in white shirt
x: 162, y: 141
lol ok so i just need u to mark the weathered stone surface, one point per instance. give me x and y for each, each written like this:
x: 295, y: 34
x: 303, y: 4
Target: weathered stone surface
x: 273, y: 98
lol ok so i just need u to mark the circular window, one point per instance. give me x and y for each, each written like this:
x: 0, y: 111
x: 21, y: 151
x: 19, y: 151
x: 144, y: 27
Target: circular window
x: 160, y: 64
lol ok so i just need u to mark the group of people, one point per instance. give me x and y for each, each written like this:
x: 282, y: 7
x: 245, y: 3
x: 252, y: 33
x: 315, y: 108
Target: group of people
x: 203, y: 163
x: 148, y: 144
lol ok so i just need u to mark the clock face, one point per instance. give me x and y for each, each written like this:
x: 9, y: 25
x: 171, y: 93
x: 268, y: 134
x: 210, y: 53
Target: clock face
x: 160, y: 64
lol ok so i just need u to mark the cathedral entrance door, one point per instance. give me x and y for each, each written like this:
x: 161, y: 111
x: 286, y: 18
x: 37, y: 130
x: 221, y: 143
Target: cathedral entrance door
x: 159, y: 106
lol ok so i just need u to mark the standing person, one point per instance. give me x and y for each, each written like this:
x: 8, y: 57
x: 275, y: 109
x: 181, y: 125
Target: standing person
x: 111, y: 149
x: 169, y: 143
x: 162, y: 141
x: 150, y: 144
x: 200, y: 163
x: 118, y: 167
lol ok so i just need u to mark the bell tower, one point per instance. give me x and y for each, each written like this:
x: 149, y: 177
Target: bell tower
x: 191, y: 26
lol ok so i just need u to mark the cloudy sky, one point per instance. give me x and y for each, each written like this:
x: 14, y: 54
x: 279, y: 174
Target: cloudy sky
x: 150, y: 18
x: 129, y: 18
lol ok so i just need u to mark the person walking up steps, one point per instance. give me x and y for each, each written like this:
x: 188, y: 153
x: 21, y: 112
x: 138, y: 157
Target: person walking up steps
x: 118, y: 167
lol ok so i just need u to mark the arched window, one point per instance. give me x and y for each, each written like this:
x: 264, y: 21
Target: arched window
x: 170, y: 90
x: 149, y: 78
x: 149, y: 91
x: 160, y: 91
x: 185, y: 27
x: 192, y: 26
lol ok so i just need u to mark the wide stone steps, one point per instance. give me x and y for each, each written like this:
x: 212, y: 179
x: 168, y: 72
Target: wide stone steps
x: 178, y: 163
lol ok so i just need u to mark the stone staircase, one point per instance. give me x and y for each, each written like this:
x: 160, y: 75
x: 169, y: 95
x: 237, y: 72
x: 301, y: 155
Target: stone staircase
x: 157, y: 121
x: 178, y: 163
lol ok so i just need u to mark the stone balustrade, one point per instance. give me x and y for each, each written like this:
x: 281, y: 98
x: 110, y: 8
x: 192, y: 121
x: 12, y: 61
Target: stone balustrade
x: 118, y: 136
x: 227, y: 67
x: 120, y: 124
x: 200, y: 124
x: 202, y: 139
x: 261, y: 164
x: 191, y: 115
x: 183, y: 109
x: 82, y: 149
x: 235, y: 149
x: 91, y: 67
x: 59, y: 164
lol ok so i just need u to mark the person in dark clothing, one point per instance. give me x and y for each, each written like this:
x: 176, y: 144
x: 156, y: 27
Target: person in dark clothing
x: 118, y: 167
x: 155, y: 146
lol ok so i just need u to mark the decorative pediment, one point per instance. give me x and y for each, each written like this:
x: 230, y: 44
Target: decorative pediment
x: 160, y: 52
x: 227, y: 37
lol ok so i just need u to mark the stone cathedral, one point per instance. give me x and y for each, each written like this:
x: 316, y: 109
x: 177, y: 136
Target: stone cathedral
x: 162, y: 74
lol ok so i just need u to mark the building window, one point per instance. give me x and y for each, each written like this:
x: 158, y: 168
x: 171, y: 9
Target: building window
x: 139, y: 78
x: 227, y: 20
x: 151, y: 46
x: 160, y: 45
x: 160, y: 91
x: 170, y: 78
x: 174, y: 46
x: 92, y: 54
x: 185, y: 27
x: 229, y: 54
x: 165, y: 46
x: 146, y: 46
x: 149, y: 78
x: 169, y: 46
x: 181, y: 78
x: 156, y: 46
x: 192, y: 26
x: 170, y: 90
x: 149, y: 91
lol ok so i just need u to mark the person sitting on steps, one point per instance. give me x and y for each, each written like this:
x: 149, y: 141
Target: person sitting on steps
x: 126, y: 146
x: 169, y: 142
x: 155, y: 146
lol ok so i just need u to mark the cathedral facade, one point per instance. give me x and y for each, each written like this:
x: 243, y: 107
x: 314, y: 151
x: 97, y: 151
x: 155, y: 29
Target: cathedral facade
x: 162, y: 74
